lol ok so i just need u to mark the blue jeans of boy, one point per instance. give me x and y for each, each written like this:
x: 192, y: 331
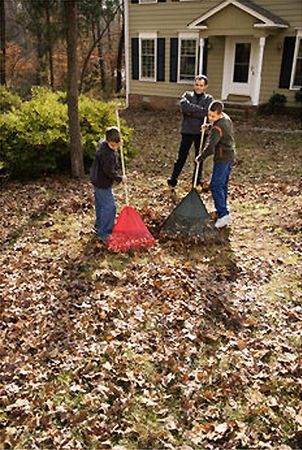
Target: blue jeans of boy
x: 219, y: 186
x: 105, y: 211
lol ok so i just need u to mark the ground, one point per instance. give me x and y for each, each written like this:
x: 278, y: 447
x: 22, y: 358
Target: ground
x: 188, y: 345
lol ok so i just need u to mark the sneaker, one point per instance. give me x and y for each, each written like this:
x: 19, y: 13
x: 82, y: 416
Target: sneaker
x: 172, y: 182
x: 223, y: 221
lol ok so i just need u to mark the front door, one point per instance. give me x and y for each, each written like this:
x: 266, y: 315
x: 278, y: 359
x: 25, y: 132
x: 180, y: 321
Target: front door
x: 239, y: 66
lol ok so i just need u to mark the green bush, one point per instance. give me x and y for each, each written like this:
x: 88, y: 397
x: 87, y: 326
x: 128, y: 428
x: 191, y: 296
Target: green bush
x: 275, y: 105
x: 298, y: 96
x: 34, y: 139
x: 8, y: 100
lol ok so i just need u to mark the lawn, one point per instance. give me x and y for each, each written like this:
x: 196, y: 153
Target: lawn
x: 187, y: 346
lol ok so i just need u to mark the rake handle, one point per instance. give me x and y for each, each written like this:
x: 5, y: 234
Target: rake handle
x: 199, y: 153
x: 122, y: 159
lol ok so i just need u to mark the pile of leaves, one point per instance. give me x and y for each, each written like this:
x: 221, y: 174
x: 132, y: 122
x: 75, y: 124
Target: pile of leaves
x: 188, y: 346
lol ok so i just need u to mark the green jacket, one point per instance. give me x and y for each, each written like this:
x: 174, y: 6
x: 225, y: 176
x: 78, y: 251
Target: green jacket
x: 220, y: 142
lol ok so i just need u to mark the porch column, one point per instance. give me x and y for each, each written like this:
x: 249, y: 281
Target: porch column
x: 258, y: 70
x: 201, y: 47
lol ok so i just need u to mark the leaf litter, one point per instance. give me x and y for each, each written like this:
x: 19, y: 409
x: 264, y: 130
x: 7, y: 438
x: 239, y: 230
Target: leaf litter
x: 186, y: 346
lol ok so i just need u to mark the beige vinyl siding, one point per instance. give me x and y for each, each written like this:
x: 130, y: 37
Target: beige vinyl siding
x: 215, y: 65
x: 170, y: 18
x: 271, y: 70
x: 233, y: 20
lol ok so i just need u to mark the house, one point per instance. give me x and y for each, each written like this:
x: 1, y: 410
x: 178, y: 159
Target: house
x: 248, y: 49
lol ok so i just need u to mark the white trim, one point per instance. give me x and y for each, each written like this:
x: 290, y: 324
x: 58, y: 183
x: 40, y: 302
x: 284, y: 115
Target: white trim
x: 147, y: 35
x: 148, y: 2
x: 182, y: 37
x: 127, y: 65
x: 150, y: 36
x: 253, y: 85
x: 188, y: 35
x: 252, y: 12
x: 265, y: 25
x: 257, y: 85
x: 297, y: 44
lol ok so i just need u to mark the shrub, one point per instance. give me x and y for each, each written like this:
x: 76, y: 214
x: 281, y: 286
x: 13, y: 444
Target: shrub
x: 298, y: 96
x: 8, y: 100
x: 34, y: 139
x: 275, y: 105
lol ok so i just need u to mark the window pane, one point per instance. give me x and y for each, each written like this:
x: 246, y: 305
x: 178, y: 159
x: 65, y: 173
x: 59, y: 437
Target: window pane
x: 298, y: 71
x: 148, y: 58
x: 187, y: 59
x: 242, y: 62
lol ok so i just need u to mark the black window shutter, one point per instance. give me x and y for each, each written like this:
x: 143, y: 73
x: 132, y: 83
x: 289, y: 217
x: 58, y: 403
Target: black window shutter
x: 135, y: 58
x: 134, y: 1
x: 173, y: 59
x: 287, y: 61
x: 161, y: 1
x: 160, y: 75
x: 205, y: 58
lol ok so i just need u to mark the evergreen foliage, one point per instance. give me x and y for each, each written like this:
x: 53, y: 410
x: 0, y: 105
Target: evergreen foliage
x: 8, y: 100
x: 34, y: 138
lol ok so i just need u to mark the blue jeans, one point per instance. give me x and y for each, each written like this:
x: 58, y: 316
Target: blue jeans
x: 219, y: 186
x: 105, y: 211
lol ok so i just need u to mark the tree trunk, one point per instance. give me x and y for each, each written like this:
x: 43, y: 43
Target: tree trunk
x: 40, y: 74
x: 110, y: 51
x: 120, y: 58
x: 3, y: 43
x: 76, y: 152
x: 101, y: 59
x: 49, y: 45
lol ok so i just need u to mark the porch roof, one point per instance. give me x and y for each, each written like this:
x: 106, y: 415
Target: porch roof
x: 265, y: 18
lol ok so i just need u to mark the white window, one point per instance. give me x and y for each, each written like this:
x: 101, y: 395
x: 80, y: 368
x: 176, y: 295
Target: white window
x: 147, y: 56
x: 147, y: 1
x: 187, y: 57
x: 296, y: 77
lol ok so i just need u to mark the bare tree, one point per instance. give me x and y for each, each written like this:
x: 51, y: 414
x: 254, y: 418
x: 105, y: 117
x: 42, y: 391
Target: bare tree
x: 49, y: 43
x: 111, y: 14
x: 3, y: 43
x: 76, y: 151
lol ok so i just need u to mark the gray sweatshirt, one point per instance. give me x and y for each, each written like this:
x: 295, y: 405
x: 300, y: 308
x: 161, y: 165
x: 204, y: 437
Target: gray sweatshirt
x: 194, y: 108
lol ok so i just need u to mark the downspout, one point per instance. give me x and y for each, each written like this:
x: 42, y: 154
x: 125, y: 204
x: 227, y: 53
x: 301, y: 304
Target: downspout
x: 201, y: 47
x: 126, y: 11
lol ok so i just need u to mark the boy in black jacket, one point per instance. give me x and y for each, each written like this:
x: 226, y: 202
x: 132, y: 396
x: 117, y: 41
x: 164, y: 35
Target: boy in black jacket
x: 103, y: 173
x: 220, y: 144
x: 194, y: 107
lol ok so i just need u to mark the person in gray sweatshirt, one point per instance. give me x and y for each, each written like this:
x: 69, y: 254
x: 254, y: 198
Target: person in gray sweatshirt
x: 194, y: 107
x: 221, y: 144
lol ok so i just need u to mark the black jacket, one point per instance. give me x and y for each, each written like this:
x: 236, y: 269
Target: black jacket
x: 103, y: 171
x: 220, y: 141
x: 194, y: 108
